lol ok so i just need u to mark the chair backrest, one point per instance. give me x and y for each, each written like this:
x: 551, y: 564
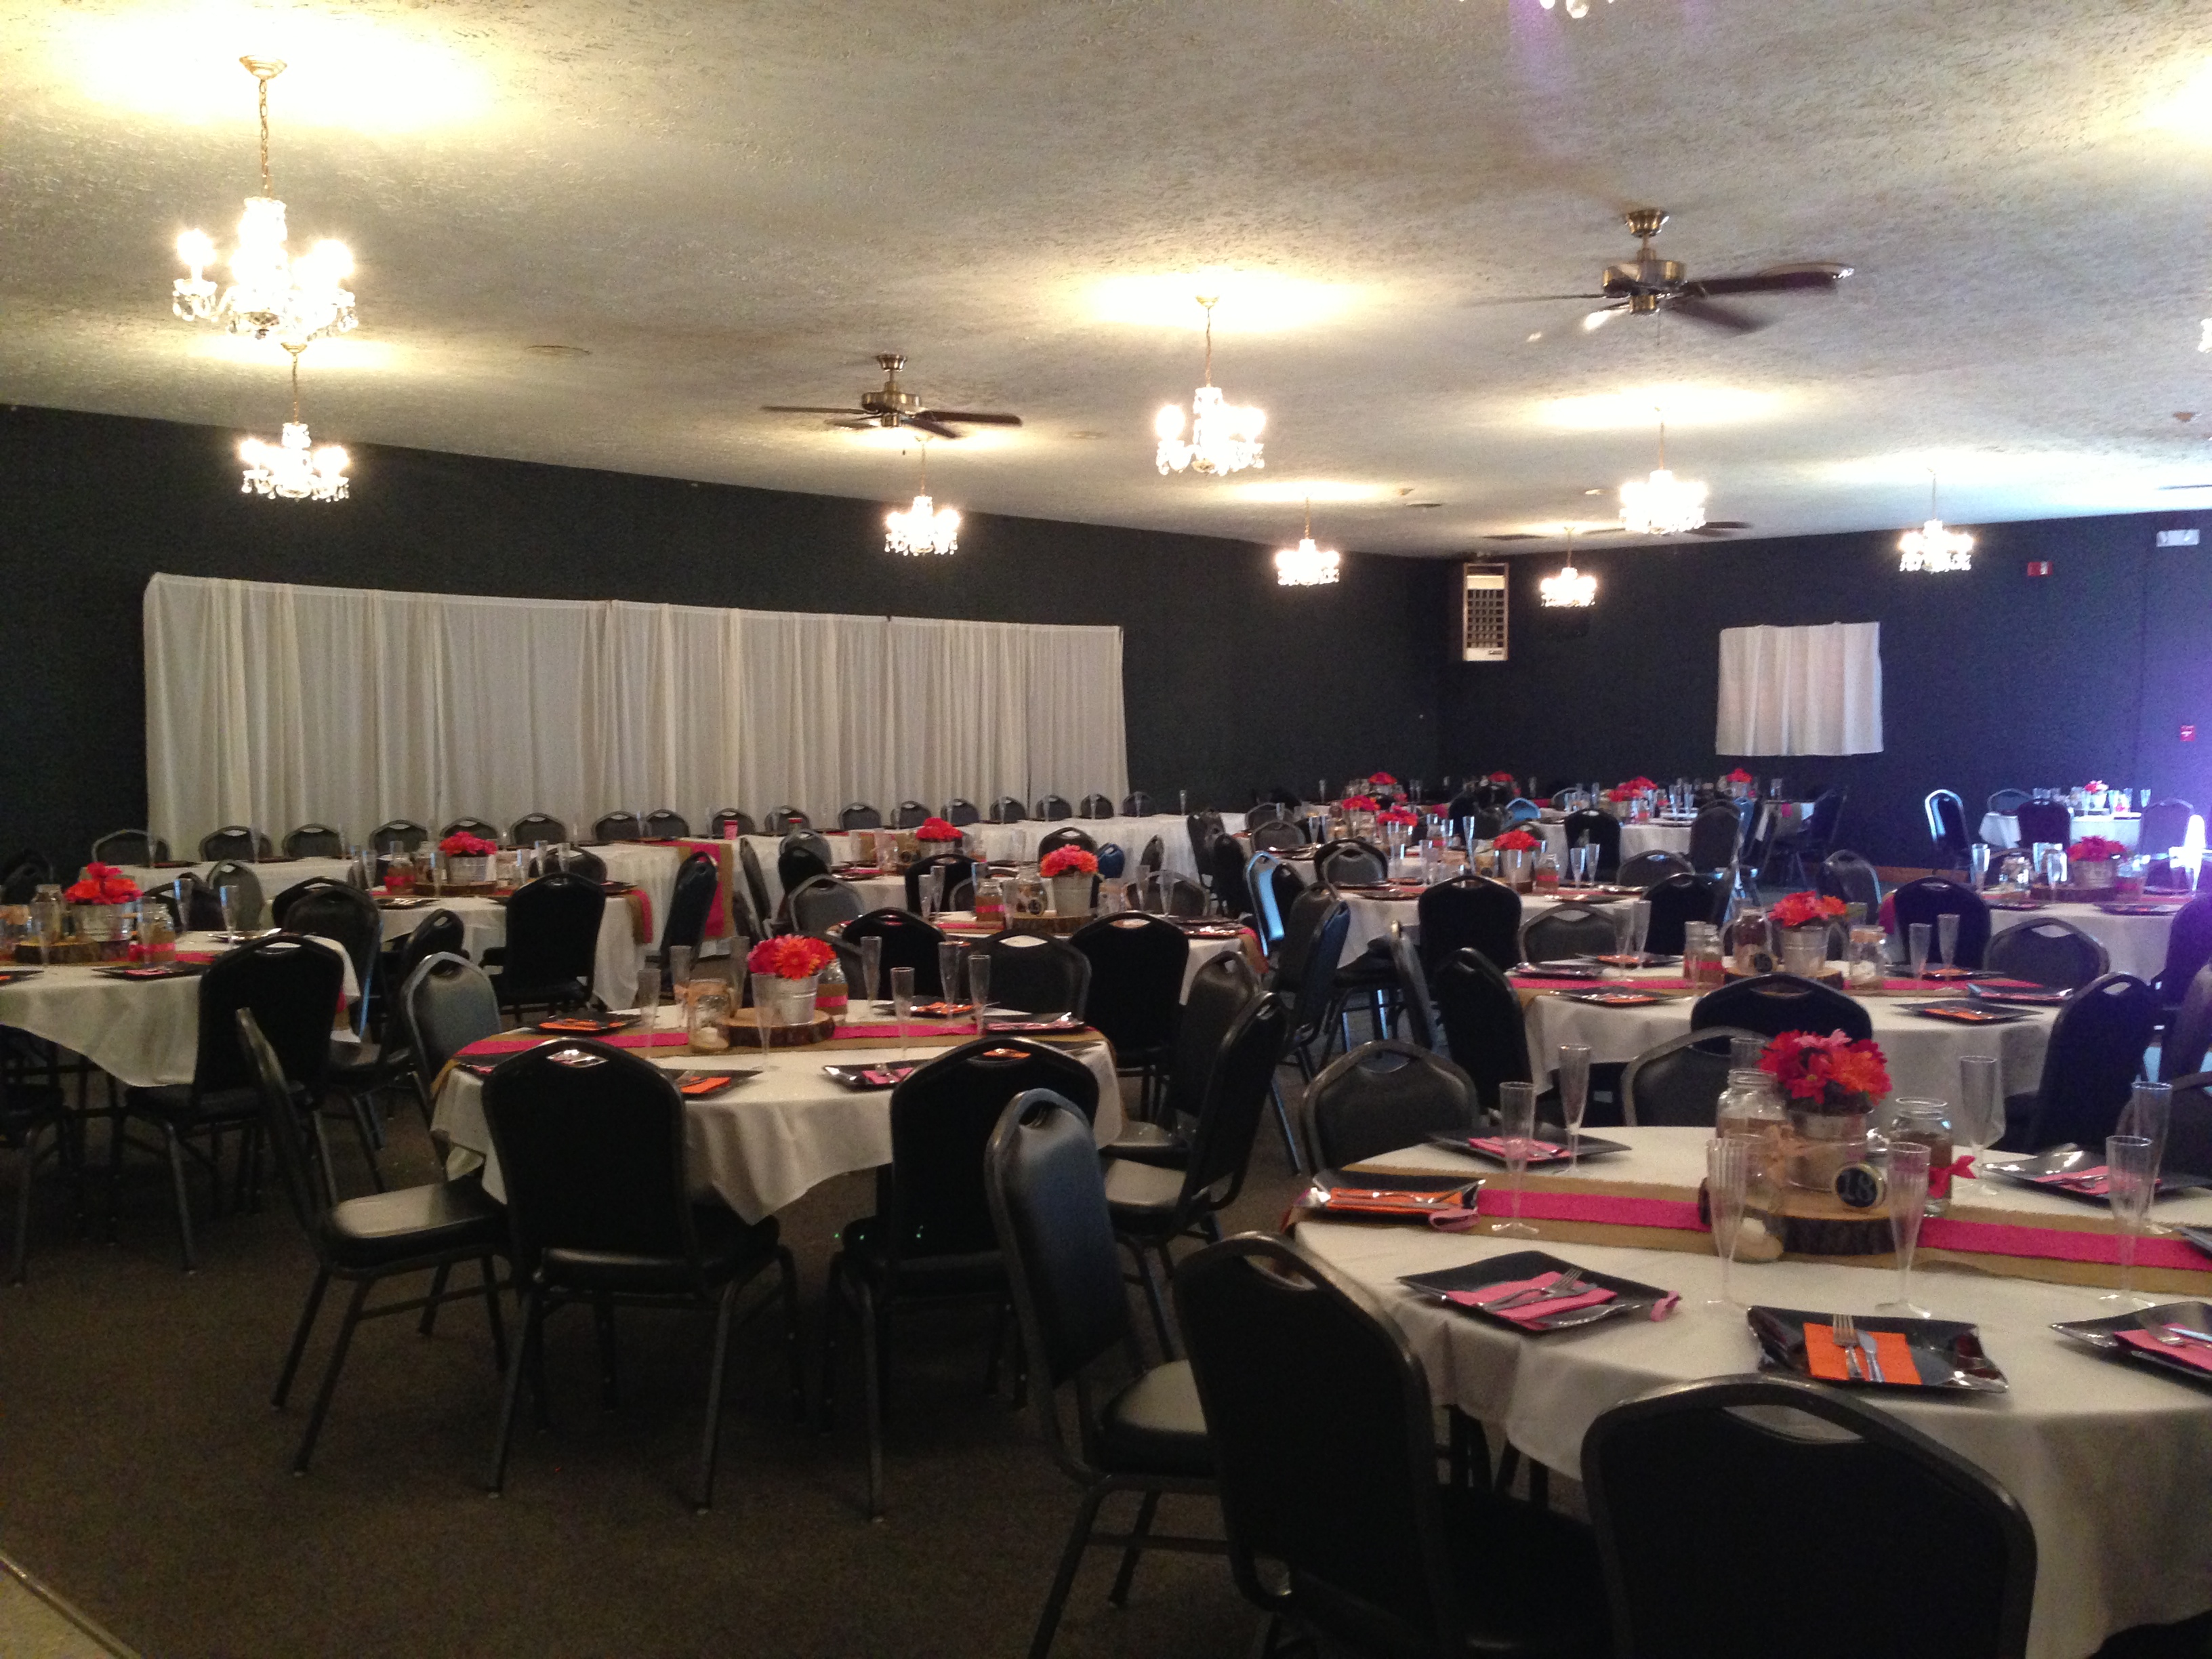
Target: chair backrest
x: 1238, y: 1080
x: 397, y: 836
x: 1946, y: 823
x: 280, y: 1123
x: 590, y: 1141
x: 22, y: 876
x: 2092, y: 1061
x: 2006, y: 802
x: 1818, y: 833
x: 2188, y: 948
x: 1566, y: 930
x: 1678, y: 900
x: 2049, y: 950
x: 1412, y: 987
x: 1278, y: 837
x: 822, y: 904
x: 1094, y: 805
x: 755, y: 883
x: 1678, y: 1082
x: 1484, y: 1026
x: 1647, y: 870
x: 1220, y: 993
x: 1381, y: 1097
x: 471, y: 827
x: 1320, y: 1421
x: 1054, y: 806
x: 348, y: 917
x: 921, y: 876
x: 617, y: 826
x: 2189, y: 1124
x: 1771, y: 1004
x: 1202, y: 828
x: 1258, y: 878
x: 130, y: 846
x: 908, y: 942
x: 666, y: 823
x: 1037, y: 974
x: 1932, y: 897
x: 909, y: 815
x: 447, y: 1003
x: 1818, y: 1514
x: 1137, y: 965
x: 1136, y: 805
x: 1847, y: 876
x: 280, y: 906
x: 1715, y: 835
x: 1180, y: 895
x: 1263, y: 812
x: 1048, y: 1203
x: 727, y: 816
x: 2188, y: 1036
x: 1228, y: 884
x: 441, y: 932
x: 1112, y: 859
x: 802, y: 853
x: 1600, y: 829
x: 690, y: 901
x: 960, y: 811
x: 292, y: 986
x: 859, y: 816
x: 943, y: 1116
x: 1152, y: 857
x: 2045, y: 820
x: 553, y: 932
x: 235, y: 840
x: 229, y: 872
x: 1066, y: 835
x: 1342, y: 863
x: 576, y: 861
x: 1309, y: 978
x: 2165, y: 825
x: 785, y: 819
x: 534, y: 827
x: 1518, y: 811
x: 1468, y: 910
x: 1007, y: 809
x: 314, y: 840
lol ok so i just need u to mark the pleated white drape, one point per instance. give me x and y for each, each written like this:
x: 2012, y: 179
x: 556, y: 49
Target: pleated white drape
x: 1801, y: 690
x: 276, y: 705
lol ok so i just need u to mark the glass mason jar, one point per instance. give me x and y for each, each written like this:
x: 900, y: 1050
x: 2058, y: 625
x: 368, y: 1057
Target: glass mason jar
x: 831, y: 994
x: 1928, y: 1123
x: 1866, y: 969
x: 1701, y: 956
x: 708, y: 1004
x: 1748, y: 950
x: 1751, y: 1105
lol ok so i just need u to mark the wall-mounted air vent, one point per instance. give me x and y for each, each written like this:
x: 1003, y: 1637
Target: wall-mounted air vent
x: 1482, y: 613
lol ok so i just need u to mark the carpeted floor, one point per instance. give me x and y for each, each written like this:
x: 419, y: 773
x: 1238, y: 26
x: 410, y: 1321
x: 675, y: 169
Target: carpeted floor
x: 144, y: 1476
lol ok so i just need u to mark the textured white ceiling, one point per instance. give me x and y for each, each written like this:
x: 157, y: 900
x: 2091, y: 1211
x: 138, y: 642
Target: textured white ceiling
x: 728, y: 204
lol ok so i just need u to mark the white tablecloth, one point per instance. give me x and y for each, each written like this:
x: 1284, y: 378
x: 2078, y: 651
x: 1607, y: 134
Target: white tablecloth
x: 2111, y: 1461
x: 2002, y: 828
x: 483, y: 924
x: 1652, y: 836
x: 772, y: 1138
x: 2135, y: 944
x: 275, y: 875
x: 1923, y: 1053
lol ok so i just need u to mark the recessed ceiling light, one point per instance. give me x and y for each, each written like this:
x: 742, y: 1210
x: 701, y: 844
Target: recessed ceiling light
x: 1593, y: 492
x: 559, y: 350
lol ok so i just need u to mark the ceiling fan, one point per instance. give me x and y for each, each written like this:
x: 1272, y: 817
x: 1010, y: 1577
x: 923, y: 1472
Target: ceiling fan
x: 893, y: 406
x: 1713, y: 529
x: 1648, y: 284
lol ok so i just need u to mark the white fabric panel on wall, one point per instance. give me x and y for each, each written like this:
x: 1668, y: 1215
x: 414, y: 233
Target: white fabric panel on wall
x: 1800, y: 691
x: 278, y: 705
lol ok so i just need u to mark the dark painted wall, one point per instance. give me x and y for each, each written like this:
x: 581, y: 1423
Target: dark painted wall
x: 1989, y: 679
x: 1230, y: 681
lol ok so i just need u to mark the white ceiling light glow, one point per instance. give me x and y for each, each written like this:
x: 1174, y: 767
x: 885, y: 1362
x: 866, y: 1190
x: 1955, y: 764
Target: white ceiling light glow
x: 1306, y: 565
x: 924, y: 527
x: 1224, y: 437
x: 1252, y: 302
x: 271, y: 291
x: 1627, y: 409
x: 1568, y: 586
x: 1662, y: 505
x: 289, y: 470
x: 1932, y: 548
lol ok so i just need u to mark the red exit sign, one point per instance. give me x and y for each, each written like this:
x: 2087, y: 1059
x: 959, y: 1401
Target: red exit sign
x: 2039, y: 567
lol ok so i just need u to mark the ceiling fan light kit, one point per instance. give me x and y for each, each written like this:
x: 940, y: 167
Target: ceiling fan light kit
x: 925, y: 527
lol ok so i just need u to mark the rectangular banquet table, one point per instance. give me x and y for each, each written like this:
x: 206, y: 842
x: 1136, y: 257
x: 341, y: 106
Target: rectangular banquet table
x: 2109, y: 1461
x: 774, y: 1137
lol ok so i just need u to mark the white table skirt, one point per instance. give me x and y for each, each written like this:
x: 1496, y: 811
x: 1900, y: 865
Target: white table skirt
x: 2135, y: 944
x: 1923, y: 1054
x: 773, y: 1138
x: 2002, y: 828
x: 2110, y: 1463
x: 141, y: 1032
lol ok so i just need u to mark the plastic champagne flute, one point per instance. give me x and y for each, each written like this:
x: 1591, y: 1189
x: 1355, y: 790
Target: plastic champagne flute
x: 902, y: 1005
x: 1727, y: 1187
x: 979, y: 985
x: 1916, y: 939
x: 1639, y: 925
x: 1947, y: 937
x: 1574, y: 1095
x: 948, y: 956
x: 1908, y: 1202
x: 2149, y: 1111
x: 1516, y: 1132
x: 1979, y: 1120
x: 871, y: 969
x: 2131, y: 1176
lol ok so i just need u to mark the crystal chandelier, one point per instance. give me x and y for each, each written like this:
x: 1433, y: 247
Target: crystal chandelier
x: 1224, y: 437
x: 288, y: 470
x: 1933, y: 548
x: 270, y: 293
x: 1575, y: 8
x: 923, y: 527
x: 1306, y: 565
x: 1568, y: 586
x: 1662, y: 505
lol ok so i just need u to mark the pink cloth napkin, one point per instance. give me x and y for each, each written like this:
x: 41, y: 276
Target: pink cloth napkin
x: 1529, y: 1310
x: 2091, y: 1180
x: 1540, y: 1152
x: 2192, y: 1353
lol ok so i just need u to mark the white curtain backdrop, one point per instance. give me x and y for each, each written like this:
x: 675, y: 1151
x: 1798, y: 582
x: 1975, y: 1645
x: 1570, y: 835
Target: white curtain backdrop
x: 1801, y: 690
x: 276, y: 706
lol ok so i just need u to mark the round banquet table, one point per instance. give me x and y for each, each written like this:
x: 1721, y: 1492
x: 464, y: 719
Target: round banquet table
x: 2110, y: 1461
x: 1652, y: 835
x: 772, y: 1138
x: 2137, y: 944
x: 275, y: 875
x: 1923, y: 1053
x: 963, y: 925
x: 142, y: 1033
x: 2002, y: 829
x: 483, y: 926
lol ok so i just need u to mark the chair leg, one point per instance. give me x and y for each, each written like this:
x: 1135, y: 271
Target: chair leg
x: 1063, y: 1579
x: 437, y: 1289
x: 331, y: 1375
x: 1119, y: 1596
x: 711, y: 1443
x: 490, y: 1268
x: 997, y: 1348
x: 180, y: 1198
x: 315, y: 1305
x: 1153, y: 1300
x: 323, y: 1155
x: 1283, y: 1122
x: 873, y: 1383
x: 833, y: 1307
x: 1470, y: 1451
x: 29, y: 1161
x: 364, y: 1127
x: 788, y: 1269
x: 603, y: 1318
x: 533, y: 1316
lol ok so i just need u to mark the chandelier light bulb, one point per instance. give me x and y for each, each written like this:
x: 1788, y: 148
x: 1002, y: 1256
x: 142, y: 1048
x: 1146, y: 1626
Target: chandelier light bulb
x: 1224, y: 437
x: 1308, y: 564
x: 924, y: 527
x: 270, y: 293
x: 1568, y: 586
x: 1932, y: 548
x: 289, y: 470
x: 1662, y: 505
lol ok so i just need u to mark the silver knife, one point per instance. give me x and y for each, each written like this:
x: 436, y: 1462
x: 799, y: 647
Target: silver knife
x: 1873, y: 1356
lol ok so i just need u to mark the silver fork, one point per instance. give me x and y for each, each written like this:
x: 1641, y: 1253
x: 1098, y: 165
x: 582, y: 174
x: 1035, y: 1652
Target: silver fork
x: 1567, y: 1283
x: 1845, y: 1329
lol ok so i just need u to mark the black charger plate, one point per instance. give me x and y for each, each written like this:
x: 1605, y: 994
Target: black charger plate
x: 2103, y: 1335
x: 1630, y: 1297
x: 1586, y: 1147
x: 2022, y: 1173
x: 1947, y: 1355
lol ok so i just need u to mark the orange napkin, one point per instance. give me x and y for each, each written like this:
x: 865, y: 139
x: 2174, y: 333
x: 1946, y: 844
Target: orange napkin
x: 1826, y: 1361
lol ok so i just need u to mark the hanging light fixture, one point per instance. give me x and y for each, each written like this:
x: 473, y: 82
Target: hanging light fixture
x: 1575, y: 8
x: 1568, y: 586
x: 1933, y: 548
x: 270, y: 293
x: 923, y: 527
x: 1662, y: 505
x: 1224, y: 437
x: 289, y: 469
x: 1306, y: 565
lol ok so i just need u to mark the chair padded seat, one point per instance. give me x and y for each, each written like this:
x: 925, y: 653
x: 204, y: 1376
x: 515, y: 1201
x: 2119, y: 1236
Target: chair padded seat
x: 380, y: 1228
x: 1151, y: 1143
x: 959, y: 1273
x: 173, y: 1102
x: 728, y: 1247
x: 563, y: 991
x: 1140, y: 1192
x: 1533, y: 1581
x: 1371, y: 970
x: 1154, y: 1426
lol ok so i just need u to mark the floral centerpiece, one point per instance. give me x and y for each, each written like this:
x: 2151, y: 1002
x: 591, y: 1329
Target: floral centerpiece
x: 1381, y: 781
x: 787, y: 968
x: 1500, y: 777
x: 1829, y: 1085
x: 1517, y: 841
x: 1400, y: 814
x: 1071, y: 871
x: 1738, y: 781
x: 1360, y: 804
x: 100, y: 896
x: 1801, y: 922
x: 1516, y: 851
x: 469, y: 859
x: 2095, y: 861
x: 938, y: 829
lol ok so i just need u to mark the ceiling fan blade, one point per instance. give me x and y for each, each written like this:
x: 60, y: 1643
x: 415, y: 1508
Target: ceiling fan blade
x: 1530, y: 299
x: 973, y: 417
x: 1794, y: 279
x: 803, y: 408
x: 924, y: 423
x: 1597, y: 319
x: 1513, y: 536
x: 856, y: 423
x: 1713, y: 531
x: 1725, y: 523
x: 1704, y: 311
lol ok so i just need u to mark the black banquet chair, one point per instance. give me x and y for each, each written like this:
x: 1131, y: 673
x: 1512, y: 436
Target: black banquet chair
x: 1007, y: 809
x: 1676, y: 902
x: 1679, y: 1082
x: 2047, y: 950
x: 534, y: 827
x: 908, y: 942
x: 1484, y: 1029
x: 1137, y: 967
x: 552, y: 942
x: 236, y: 841
x: 1468, y: 910
x: 2045, y: 821
x: 2089, y: 1067
x: 1381, y: 1097
x: 314, y: 840
x: 785, y: 819
x: 1094, y: 805
x: 1567, y: 930
x: 1323, y: 1435
x: 1136, y: 805
x: 960, y: 812
x: 665, y: 824
x: 397, y: 835
x: 1771, y: 1004
x: 909, y: 815
x: 1600, y: 829
x: 727, y: 817
x: 1849, y: 877
x: 466, y: 826
x: 130, y: 846
x: 1054, y: 806
x: 600, y: 1206
x: 1037, y: 974
x: 617, y: 826
x: 859, y: 816
x: 1947, y: 828
x: 1932, y: 897
x: 1821, y: 1497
